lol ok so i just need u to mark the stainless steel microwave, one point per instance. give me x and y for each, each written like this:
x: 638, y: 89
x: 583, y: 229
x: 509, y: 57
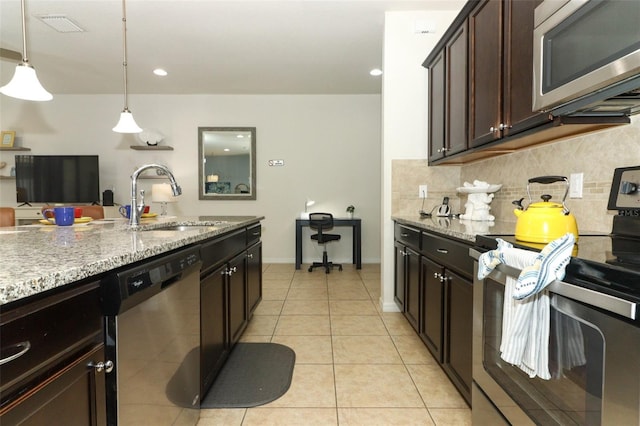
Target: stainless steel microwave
x: 587, y: 56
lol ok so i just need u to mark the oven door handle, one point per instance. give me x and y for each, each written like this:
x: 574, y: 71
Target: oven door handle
x: 597, y: 299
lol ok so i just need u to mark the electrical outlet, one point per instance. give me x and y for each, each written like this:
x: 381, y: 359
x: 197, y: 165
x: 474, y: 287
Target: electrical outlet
x: 422, y: 191
x: 576, y: 181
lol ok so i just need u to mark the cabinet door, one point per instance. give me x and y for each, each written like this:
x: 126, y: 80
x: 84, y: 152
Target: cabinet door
x: 518, y: 67
x: 73, y: 396
x: 214, y: 346
x: 254, y: 277
x: 459, y: 332
x: 399, y: 275
x: 236, y: 279
x: 485, y: 111
x: 412, y: 288
x: 457, y: 92
x: 432, y: 306
x: 437, y: 90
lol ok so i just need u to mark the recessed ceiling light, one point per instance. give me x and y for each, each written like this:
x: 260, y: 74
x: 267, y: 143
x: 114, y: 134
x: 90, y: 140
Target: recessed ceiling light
x: 160, y: 72
x: 375, y: 72
x: 226, y: 150
x: 240, y: 136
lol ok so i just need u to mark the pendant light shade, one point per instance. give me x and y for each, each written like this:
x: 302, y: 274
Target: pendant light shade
x: 25, y: 84
x: 126, y: 124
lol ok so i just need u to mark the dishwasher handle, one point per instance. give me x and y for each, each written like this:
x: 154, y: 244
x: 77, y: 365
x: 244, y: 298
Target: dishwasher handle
x: 597, y: 299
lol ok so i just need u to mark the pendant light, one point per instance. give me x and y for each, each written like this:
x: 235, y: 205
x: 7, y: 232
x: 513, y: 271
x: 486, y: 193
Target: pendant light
x: 25, y: 84
x: 126, y: 124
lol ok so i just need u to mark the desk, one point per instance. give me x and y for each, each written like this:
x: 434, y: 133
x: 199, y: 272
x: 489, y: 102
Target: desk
x: 354, y: 223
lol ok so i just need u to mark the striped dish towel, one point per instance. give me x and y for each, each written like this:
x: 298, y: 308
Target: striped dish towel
x: 525, y: 320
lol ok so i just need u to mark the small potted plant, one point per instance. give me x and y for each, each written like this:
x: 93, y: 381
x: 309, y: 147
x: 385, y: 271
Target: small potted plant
x: 350, y: 210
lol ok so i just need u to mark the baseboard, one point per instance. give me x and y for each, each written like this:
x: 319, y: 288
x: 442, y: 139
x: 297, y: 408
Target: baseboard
x: 389, y: 306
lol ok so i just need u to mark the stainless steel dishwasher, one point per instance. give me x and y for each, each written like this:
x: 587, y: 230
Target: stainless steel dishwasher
x: 152, y: 335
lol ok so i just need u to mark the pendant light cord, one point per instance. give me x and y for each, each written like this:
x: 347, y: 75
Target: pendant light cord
x: 24, y: 34
x: 124, y: 60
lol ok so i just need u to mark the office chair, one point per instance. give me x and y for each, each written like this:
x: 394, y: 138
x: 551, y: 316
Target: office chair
x: 323, y: 222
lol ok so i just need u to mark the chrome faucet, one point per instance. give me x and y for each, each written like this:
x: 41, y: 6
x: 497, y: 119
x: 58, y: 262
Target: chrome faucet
x: 138, y: 207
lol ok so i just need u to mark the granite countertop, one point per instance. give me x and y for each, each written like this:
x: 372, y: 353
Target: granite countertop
x: 36, y: 258
x: 453, y: 227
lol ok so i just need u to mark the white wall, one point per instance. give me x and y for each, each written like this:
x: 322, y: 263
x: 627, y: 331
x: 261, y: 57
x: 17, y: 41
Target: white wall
x: 404, y: 111
x: 330, y: 146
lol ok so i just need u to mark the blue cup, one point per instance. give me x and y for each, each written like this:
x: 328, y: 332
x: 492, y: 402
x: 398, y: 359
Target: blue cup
x: 62, y: 216
x: 125, y: 211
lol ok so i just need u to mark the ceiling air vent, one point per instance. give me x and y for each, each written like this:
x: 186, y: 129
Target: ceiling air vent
x: 61, y: 23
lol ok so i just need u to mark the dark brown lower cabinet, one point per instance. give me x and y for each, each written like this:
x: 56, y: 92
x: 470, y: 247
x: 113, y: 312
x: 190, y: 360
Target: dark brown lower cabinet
x: 75, y: 395
x: 237, y: 301
x: 432, y: 328
x: 214, y: 347
x: 458, y: 335
x: 254, y: 277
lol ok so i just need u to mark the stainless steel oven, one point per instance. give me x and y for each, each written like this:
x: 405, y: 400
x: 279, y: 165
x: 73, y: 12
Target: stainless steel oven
x: 590, y: 49
x: 594, y: 359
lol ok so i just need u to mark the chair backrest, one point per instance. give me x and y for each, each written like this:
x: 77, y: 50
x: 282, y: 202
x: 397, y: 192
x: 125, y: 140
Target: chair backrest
x: 320, y: 221
x: 7, y: 216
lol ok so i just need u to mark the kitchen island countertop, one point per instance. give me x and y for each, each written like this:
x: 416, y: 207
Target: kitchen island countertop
x: 465, y: 230
x: 36, y: 258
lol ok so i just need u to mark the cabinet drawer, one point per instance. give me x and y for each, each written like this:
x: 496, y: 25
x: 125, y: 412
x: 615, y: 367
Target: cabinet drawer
x: 408, y: 236
x: 451, y: 254
x: 222, y: 248
x: 46, y: 332
x: 253, y: 234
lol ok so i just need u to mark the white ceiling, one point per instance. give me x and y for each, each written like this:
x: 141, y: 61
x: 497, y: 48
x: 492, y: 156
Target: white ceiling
x: 207, y: 46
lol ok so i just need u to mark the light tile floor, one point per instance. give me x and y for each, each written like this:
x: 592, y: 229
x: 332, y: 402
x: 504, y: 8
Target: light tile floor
x: 354, y: 364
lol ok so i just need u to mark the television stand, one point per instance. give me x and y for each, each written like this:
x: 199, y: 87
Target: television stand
x: 26, y: 203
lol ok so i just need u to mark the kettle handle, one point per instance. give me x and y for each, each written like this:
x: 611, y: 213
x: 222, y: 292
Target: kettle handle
x: 547, y: 180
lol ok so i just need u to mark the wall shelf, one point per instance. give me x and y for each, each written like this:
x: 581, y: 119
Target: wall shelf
x: 151, y: 148
x: 17, y: 148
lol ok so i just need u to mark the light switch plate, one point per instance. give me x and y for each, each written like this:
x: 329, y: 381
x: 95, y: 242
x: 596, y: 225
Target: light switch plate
x: 422, y: 191
x: 576, y: 181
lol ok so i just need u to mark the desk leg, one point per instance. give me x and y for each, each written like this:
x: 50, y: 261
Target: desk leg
x: 357, y: 245
x: 298, y: 245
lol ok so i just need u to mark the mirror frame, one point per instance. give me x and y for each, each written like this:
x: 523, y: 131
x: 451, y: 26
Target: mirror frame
x: 201, y: 178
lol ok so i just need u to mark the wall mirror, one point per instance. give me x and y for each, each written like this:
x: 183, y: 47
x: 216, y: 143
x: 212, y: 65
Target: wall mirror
x: 227, y: 163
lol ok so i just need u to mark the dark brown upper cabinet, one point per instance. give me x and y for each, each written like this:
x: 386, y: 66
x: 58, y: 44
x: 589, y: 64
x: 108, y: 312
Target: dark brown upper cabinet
x: 501, y: 70
x: 448, y: 123
x: 481, y: 87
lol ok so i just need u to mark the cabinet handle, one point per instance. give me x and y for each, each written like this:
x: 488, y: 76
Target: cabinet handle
x: 500, y: 127
x: 436, y: 275
x: 256, y: 233
x: 106, y: 366
x: 22, y: 348
x: 403, y: 235
x: 443, y: 251
x: 250, y: 255
x: 229, y: 271
x: 443, y: 278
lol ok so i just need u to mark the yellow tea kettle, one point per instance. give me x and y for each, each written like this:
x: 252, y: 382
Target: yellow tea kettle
x: 544, y: 221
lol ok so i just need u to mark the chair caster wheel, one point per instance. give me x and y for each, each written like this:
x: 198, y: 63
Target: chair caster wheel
x: 310, y: 269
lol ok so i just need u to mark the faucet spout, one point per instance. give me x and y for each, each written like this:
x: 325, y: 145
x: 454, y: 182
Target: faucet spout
x: 137, y: 207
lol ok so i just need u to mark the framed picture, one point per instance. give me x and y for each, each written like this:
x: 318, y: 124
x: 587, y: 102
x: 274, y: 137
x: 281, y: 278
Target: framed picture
x: 8, y: 137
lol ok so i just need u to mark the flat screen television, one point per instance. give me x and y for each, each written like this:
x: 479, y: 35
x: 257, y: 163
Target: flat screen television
x: 57, y: 179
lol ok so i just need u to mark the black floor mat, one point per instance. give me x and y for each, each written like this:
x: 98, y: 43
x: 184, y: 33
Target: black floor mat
x: 254, y: 374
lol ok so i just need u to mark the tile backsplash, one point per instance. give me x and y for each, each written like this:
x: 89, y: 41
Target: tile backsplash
x: 596, y: 155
